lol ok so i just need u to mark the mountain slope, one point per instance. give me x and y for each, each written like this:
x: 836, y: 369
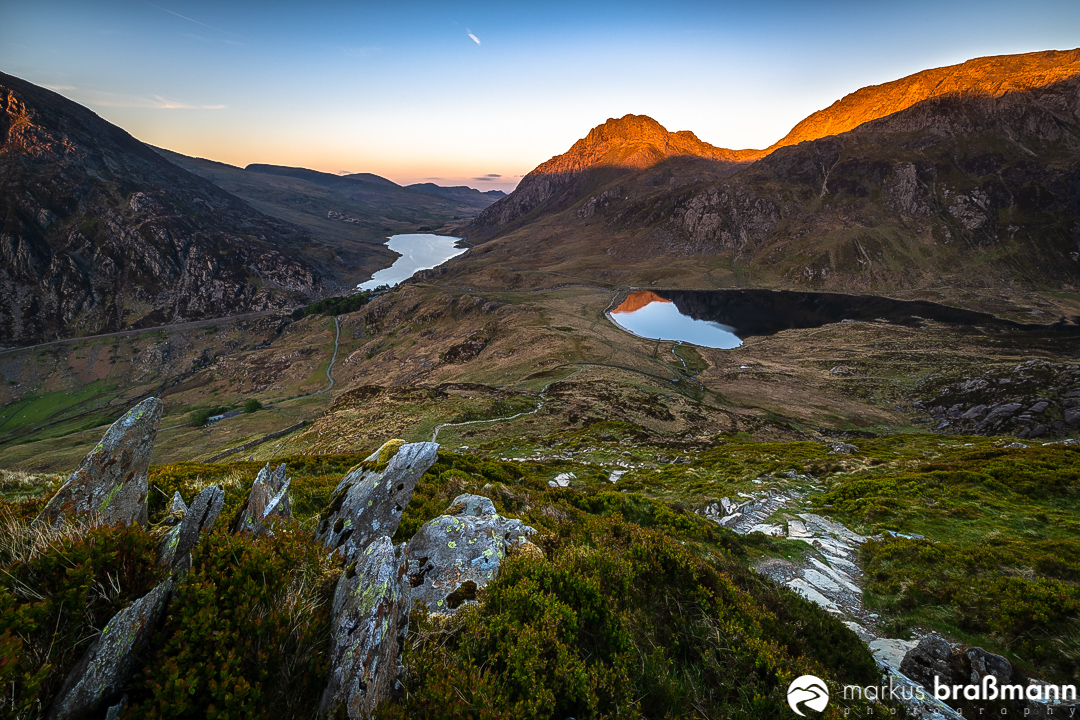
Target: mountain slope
x: 98, y: 232
x: 974, y: 188
x: 987, y: 76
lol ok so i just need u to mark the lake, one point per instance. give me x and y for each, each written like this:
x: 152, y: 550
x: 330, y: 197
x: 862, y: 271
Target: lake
x: 648, y: 315
x: 723, y: 318
x: 419, y: 251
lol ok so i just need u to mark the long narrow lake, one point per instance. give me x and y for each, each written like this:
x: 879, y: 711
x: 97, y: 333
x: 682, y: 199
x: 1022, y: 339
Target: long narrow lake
x: 722, y: 318
x: 419, y: 251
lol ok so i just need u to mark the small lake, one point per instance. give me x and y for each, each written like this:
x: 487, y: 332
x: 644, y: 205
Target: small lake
x: 651, y: 316
x: 419, y: 251
x: 722, y: 318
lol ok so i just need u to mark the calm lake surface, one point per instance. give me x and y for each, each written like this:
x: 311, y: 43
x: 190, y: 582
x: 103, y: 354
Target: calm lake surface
x: 419, y: 251
x: 649, y: 315
x: 722, y: 318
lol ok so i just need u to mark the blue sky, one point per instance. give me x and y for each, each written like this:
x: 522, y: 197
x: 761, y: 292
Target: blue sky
x: 480, y: 93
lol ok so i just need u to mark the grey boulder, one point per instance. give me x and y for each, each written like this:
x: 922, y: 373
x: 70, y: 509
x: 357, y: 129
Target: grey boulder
x: 934, y: 656
x: 985, y: 663
x: 368, y: 627
x: 197, y: 519
x: 110, y: 485
x: 456, y: 554
x: 269, y: 498
x: 107, y: 665
x: 369, y: 501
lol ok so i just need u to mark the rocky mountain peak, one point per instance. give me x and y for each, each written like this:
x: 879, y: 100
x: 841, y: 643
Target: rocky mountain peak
x: 633, y: 142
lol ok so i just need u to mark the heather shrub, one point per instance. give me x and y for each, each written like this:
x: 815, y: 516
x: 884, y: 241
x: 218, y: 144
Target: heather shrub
x: 245, y: 632
x: 54, y: 602
x: 628, y: 624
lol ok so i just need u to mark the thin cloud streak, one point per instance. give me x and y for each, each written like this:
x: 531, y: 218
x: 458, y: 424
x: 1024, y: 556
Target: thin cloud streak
x: 470, y: 34
x: 154, y: 102
x: 185, y: 17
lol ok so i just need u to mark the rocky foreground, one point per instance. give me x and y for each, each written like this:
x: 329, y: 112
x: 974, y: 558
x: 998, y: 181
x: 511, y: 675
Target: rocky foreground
x: 451, y: 558
x: 393, y: 626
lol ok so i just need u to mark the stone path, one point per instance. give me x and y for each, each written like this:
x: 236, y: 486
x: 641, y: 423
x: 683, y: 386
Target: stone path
x: 830, y: 576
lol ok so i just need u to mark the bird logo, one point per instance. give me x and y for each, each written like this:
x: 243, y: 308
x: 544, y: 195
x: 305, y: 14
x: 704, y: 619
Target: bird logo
x: 807, y: 691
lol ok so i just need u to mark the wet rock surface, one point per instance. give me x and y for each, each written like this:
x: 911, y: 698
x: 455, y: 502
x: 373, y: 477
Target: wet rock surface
x: 197, y: 519
x: 110, y: 485
x: 370, y: 621
x: 454, y: 555
x: 108, y: 663
x: 369, y: 500
x: 269, y: 498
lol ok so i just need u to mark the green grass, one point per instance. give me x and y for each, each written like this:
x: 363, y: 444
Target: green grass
x: 1000, y: 568
x: 34, y: 411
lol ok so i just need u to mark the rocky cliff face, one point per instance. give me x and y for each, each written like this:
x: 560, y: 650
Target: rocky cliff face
x: 99, y: 233
x: 969, y: 187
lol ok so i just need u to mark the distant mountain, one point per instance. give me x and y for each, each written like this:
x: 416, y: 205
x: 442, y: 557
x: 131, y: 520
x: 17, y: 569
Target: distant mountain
x: 98, y: 232
x: 616, y: 148
x: 373, y: 188
x: 349, y: 215
x: 964, y: 176
x: 462, y: 193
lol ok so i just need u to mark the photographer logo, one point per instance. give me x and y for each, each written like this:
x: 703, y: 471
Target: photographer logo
x: 807, y: 691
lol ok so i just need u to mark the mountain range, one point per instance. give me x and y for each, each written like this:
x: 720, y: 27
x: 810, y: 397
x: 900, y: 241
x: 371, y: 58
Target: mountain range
x: 965, y: 175
x: 100, y: 232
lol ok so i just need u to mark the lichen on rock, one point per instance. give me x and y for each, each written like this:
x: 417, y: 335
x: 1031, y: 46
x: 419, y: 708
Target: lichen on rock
x: 107, y: 665
x: 368, y: 502
x: 368, y: 628
x: 110, y: 485
x: 269, y: 498
x: 454, y: 555
x: 198, y: 518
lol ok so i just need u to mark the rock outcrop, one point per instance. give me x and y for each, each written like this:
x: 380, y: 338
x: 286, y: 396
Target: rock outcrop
x: 1035, y: 399
x: 369, y: 500
x: 454, y: 555
x: 368, y: 628
x: 110, y: 485
x: 197, y: 519
x: 107, y: 665
x: 269, y: 498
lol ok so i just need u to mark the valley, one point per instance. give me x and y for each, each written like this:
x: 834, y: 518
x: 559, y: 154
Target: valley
x: 884, y: 449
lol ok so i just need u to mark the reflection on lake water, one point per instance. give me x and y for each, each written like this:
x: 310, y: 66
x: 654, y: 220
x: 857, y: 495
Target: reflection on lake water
x: 419, y: 251
x: 720, y: 318
x: 648, y: 315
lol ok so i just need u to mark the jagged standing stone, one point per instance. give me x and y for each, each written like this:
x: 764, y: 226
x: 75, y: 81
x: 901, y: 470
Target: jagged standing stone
x: 454, y: 555
x: 177, y: 505
x: 370, y: 621
x: 110, y: 485
x: 204, y: 510
x: 368, y: 503
x: 269, y: 498
x: 107, y: 665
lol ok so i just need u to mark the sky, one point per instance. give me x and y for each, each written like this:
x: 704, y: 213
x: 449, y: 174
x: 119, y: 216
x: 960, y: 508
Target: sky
x: 479, y: 93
